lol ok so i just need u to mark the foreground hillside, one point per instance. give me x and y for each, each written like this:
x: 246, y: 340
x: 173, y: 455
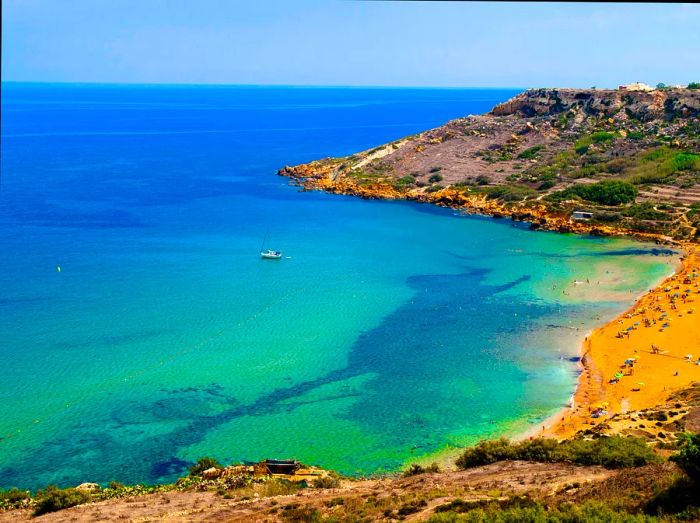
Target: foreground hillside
x: 631, y: 158
x: 616, y: 471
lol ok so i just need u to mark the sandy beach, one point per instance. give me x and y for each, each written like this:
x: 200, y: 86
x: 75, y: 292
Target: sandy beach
x: 637, y: 360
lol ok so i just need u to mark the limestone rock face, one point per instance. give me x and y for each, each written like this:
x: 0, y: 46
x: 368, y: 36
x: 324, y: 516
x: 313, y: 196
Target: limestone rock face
x: 641, y: 105
x: 212, y: 473
x: 88, y: 487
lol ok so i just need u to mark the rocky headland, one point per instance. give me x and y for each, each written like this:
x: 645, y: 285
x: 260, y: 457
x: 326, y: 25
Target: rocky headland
x: 629, y: 158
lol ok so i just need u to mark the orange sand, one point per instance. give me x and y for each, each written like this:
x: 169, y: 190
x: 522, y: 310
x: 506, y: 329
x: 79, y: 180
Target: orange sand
x: 653, y: 376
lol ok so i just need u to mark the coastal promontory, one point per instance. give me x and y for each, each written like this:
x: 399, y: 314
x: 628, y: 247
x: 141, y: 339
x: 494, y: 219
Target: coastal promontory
x: 625, y: 161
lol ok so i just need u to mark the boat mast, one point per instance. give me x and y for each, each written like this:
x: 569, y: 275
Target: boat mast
x: 262, y: 247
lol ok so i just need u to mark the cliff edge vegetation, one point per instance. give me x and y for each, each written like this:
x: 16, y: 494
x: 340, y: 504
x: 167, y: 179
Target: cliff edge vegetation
x: 629, y: 160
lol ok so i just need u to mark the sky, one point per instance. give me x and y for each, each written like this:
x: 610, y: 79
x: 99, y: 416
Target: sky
x: 345, y: 42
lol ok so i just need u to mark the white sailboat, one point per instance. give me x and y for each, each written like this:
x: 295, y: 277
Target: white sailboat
x: 269, y: 254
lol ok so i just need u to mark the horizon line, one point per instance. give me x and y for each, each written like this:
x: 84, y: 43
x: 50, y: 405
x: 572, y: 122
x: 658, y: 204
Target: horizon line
x: 193, y: 84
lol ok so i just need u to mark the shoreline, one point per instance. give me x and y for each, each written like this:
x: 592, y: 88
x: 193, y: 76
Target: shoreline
x: 660, y: 366
x: 445, y: 457
x: 321, y: 176
x: 602, y: 353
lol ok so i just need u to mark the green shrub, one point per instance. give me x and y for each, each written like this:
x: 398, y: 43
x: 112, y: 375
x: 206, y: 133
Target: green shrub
x: 407, y: 180
x: 655, y: 154
x: 645, y: 211
x: 694, y: 210
x: 610, y: 452
x: 53, y: 498
x: 536, y: 512
x: 435, y: 178
x: 685, y: 162
x: 412, y: 507
x: 607, y: 192
x: 694, y: 85
x: 602, y: 136
x: 607, y: 217
x: 326, y: 482
x: 204, y: 464
x: 13, y: 497
x: 509, y: 193
x: 280, y: 487
x: 532, y: 152
x: 416, y: 469
x: 659, y: 165
x: 435, y: 169
x: 482, y: 179
x: 486, y: 452
x: 581, y: 149
x: 689, y: 456
x: 538, y: 449
x: 635, y: 135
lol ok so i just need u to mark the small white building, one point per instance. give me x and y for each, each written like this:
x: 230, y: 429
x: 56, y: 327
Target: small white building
x: 581, y: 215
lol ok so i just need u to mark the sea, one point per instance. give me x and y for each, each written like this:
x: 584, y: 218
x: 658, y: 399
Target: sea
x: 140, y: 330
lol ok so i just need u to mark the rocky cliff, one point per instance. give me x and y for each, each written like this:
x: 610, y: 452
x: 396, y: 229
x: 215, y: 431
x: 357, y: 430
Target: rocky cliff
x: 665, y: 104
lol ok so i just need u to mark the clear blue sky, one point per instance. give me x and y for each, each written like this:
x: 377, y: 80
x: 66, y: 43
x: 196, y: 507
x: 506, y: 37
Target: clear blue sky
x: 334, y: 42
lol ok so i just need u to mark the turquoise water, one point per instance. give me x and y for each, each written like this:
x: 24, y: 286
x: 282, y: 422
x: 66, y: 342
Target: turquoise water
x: 389, y: 332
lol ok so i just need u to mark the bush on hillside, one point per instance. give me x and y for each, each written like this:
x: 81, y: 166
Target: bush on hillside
x: 610, y: 452
x: 607, y: 192
x: 645, y: 211
x: 416, y: 469
x: 510, y: 193
x: 53, y: 498
x: 689, y: 456
x: 532, y: 152
x: 204, y: 464
x: 602, y: 136
x: 13, y: 498
x: 326, y: 482
x: 407, y: 180
x: 519, y: 511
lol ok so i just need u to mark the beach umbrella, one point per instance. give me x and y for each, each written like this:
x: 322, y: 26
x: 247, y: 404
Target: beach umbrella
x: 619, y: 375
x: 640, y: 383
x: 630, y: 329
x: 636, y: 323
